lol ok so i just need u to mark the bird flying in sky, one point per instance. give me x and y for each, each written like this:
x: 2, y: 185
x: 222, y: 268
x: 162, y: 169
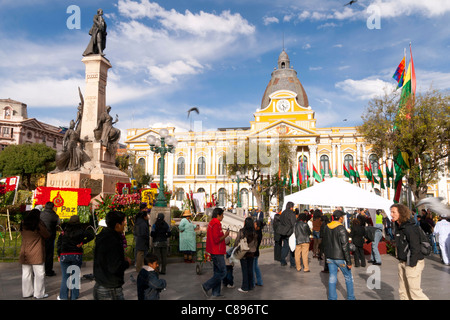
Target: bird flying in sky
x: 192, y: 109
x: 350, y: 3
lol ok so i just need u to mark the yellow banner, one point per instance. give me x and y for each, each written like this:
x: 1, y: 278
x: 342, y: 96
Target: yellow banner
x: 66, y: 203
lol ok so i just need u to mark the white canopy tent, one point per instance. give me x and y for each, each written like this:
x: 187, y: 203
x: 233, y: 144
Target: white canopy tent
x: 337, y: 192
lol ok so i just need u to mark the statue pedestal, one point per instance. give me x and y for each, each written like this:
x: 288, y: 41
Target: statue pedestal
x: 95, y: 93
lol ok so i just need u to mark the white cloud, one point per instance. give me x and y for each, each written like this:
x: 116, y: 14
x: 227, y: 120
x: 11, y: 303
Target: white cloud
x: 428, y: 8
x: 198, y: 24
x: 175, y: 44
x: 365, y: 89
x: 168, y: 73
x: 270, y: 20
x: 315, y: 68
x: 325, y: 10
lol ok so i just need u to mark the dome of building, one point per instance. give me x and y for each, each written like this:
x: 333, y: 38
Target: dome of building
x: 285, y: 78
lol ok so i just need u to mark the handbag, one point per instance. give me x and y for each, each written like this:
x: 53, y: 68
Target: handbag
x: 241, y: 249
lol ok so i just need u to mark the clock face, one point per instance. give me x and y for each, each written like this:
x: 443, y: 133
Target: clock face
x: 283, y: 105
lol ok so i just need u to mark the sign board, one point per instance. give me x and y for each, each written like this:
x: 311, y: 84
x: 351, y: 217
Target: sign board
x: 9, y: 184
x: 66, y: 200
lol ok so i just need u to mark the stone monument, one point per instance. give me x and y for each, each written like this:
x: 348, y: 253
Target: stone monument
x: 90, y: 143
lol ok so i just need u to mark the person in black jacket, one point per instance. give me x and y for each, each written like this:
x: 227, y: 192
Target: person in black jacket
x: 357, y: 232
x: 160, y: 233
x: 141, y: 236
x: 285, y: 229
x: 259, y: 225
x: 110, y: 261
x: 411, y: 260
x: 51, y: 221
x: 337, y: 252
x: 302, y: 239
x: 70, y: 255
x: 276, y: 237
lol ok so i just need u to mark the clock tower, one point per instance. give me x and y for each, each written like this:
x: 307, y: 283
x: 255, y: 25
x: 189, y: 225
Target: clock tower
x: 284, y: 101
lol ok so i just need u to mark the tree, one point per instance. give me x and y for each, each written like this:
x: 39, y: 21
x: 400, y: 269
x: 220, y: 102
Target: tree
x: 416, y: 135
x: 27, y: 161
x: 264, y: 165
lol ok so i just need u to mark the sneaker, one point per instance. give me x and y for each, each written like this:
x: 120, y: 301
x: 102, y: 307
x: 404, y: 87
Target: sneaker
x: 43, y: 297
x: 242, y: 290
x: 230, y: 286
x: 204, y: 291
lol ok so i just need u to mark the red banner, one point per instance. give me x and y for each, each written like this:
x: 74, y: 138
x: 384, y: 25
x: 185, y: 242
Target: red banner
x: 9, y: 184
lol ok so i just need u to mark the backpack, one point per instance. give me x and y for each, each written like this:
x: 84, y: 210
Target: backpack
x: 425, y: 245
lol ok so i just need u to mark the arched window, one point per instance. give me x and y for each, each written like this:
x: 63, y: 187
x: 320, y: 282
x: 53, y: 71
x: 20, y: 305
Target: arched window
x: 8, y: 113
x: 141, y: 162
x: 244, y: 198
x: 348, y: 161
x: 201, y: 166
x: 222, y: 168
x: 325, y: 164
x: 222, y: 197
x: 180, y: 194
x: 373, y: 160
x: 303, y: 166
x: 180, y: 166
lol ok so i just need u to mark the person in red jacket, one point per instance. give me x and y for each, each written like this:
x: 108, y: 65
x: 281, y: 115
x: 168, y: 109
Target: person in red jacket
x: 216, y: 247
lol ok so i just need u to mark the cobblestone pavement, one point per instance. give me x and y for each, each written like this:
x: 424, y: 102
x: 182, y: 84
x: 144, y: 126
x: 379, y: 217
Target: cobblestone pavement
x: 279, y: 283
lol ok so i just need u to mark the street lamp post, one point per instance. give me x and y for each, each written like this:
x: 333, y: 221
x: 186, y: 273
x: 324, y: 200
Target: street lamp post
x: 159, y: 146
x: 238, y: 178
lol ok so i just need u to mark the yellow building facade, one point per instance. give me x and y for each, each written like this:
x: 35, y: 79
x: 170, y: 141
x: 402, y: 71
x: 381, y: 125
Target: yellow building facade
x: 198, y: 162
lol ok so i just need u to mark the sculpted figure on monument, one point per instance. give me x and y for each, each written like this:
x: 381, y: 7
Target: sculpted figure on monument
x: 72, y: 157
x: 98, y: 35
x: 79, y: 113
x: 105, y: 132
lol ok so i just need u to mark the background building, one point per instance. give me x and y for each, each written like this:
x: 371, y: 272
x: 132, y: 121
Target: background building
x: 198, y: 163
x: 17, y: 128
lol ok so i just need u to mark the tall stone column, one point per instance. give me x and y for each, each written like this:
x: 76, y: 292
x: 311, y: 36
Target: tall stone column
x: 95, y: 93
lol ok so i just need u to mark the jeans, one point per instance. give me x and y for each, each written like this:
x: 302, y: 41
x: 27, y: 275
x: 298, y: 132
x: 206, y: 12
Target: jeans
x: 333, y: 266
x: 257, y: 273
x: 71, y: 274
x: 161, y: 253
x: 285, y: 251
x: 375, y: 252
x: 247, y: 273
x: 220, y: 272
x: 103, y: 293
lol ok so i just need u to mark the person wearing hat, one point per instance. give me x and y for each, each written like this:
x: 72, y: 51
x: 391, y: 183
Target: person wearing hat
x: 187, y: 236
x: 70, y: 252
x: 337, y: 252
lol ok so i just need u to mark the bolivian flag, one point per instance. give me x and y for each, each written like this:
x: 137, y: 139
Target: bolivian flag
x: 409, y: 85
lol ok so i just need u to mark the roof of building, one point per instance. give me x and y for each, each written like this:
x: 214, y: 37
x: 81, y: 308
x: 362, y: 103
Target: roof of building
x: 285, y: 77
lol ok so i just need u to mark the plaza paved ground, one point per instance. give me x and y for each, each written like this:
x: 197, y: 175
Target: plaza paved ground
x: 279, y: 283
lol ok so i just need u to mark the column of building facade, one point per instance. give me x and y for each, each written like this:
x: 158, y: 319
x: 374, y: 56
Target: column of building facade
x: 313, y: 157
x: 339, y: 157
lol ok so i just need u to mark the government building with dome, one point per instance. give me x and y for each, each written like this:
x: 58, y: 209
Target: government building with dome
x: 198, y: 161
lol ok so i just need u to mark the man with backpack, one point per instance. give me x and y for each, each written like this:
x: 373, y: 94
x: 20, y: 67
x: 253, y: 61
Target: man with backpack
x: 408, y: 240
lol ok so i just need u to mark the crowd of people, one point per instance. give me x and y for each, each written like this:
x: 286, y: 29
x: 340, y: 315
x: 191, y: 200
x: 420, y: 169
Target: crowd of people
x: 333, y: 238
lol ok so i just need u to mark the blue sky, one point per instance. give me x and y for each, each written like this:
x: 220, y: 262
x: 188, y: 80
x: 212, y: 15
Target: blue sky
x: 217, y: 55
